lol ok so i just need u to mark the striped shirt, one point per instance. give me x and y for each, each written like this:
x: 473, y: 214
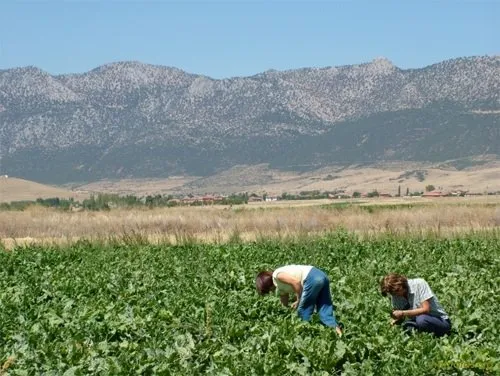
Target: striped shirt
x: 418, y: 292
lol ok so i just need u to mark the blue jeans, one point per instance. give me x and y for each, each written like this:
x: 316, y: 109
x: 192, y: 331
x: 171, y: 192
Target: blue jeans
x: 316, y: 293
x: 429, y: 324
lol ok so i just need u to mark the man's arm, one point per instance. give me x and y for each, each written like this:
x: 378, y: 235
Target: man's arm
x: 425, y: 307
x: 398, y: 304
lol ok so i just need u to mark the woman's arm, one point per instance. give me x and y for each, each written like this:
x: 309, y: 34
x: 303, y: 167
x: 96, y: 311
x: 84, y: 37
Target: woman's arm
x: 425, y: 307
x: 294, y: 282
x: 284, y: 299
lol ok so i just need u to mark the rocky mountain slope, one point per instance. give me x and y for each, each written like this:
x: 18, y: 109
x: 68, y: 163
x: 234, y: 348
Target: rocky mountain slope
x: 131, y: 119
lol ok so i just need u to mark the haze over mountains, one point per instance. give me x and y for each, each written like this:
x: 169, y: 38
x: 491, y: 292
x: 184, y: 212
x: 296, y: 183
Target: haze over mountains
x: 136, y: 120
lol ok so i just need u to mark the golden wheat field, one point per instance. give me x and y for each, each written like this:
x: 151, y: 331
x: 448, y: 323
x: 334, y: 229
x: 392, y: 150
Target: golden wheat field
x: 441, y: 216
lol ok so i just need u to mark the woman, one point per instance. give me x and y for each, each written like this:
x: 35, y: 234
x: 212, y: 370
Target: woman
x: 310, y: 286
x: 414, y: 300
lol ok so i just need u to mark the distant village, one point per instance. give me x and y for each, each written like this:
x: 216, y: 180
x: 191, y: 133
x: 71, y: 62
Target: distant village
x: 313, y: 195
x: 340, y: 194
x: 106, y: 201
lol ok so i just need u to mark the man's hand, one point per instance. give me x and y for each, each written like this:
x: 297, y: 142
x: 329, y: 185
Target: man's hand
x: 295, y: 304
x: 398, y: 315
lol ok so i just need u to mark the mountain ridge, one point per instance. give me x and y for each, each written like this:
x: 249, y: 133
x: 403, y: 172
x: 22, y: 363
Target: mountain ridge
x: 127, y: 118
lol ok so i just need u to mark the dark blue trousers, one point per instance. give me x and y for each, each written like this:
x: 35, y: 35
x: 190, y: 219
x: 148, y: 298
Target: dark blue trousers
x: 429, y: 324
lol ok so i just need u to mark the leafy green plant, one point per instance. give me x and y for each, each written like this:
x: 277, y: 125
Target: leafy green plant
x: 191, y: 309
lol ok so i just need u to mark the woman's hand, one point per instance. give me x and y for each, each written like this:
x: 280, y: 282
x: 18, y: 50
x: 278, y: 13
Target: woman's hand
x: 295, y: 304
x: 339, y: 331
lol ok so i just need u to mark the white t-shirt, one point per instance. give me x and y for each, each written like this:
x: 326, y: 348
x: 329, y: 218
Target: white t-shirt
x: 299, y: 272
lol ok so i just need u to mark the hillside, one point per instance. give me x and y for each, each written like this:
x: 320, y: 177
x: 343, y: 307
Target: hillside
x: 261, y: 178
x: 481, y: 178
x: 14, y: 189
x: 133, y: 120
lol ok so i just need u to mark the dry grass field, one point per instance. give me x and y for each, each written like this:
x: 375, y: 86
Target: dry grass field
x: 270, y: 219
x: 436, y: 217
x: 261, y: 178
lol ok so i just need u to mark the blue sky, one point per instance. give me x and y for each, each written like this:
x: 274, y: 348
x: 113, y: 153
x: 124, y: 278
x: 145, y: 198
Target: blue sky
x: 240, y: 38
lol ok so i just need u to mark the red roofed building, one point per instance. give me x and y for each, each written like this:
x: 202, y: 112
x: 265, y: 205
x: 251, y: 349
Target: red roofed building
x: 435, y: 194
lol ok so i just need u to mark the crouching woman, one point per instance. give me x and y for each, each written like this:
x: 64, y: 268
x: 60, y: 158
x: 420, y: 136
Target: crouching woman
x: 414, y: 305
x: 310, y: 286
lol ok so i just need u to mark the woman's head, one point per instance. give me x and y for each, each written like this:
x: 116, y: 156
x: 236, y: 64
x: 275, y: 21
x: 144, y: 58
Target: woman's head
x: 394, y: 284
x: 264, y: 282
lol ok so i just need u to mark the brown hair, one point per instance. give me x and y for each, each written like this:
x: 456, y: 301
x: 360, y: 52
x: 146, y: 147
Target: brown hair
x: 264, y: 282
x: 393, y: 283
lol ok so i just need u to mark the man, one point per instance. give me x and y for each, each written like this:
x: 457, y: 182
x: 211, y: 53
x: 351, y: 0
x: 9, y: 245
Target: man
x: 414, y: 300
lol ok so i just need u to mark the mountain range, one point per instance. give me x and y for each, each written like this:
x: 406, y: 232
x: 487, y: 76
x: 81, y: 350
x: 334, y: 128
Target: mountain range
x: 134, y: 120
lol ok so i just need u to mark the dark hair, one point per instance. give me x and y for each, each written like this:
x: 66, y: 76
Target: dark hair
x: 264, y: 282
x: 392, y: 283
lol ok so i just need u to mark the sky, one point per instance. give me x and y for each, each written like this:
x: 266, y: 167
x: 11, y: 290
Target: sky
x: 222, y: 39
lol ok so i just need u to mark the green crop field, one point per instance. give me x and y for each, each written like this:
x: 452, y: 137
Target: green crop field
x: 192, y: 309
